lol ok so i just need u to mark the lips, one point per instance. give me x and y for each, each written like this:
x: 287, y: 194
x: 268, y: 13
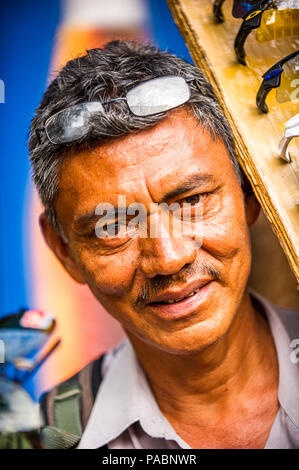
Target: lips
x: 179, y: 295
x: 183, y: 303
x: 172, y: 301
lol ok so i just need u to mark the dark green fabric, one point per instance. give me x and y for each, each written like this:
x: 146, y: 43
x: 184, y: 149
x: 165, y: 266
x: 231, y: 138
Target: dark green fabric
x: 16, y: 440
x: 67, y: 408
x: 67, y: 403
x: 54, y: 438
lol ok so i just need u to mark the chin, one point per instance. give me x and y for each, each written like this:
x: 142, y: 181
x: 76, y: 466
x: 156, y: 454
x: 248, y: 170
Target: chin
x: 194, y: 338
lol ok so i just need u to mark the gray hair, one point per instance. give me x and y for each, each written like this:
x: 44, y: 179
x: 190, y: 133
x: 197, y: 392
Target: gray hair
x: 108, y: 73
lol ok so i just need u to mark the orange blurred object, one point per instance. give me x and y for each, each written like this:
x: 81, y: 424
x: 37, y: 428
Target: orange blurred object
x: 83, y: 325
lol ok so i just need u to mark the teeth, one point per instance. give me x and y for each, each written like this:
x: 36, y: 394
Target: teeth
x: 178, y: 300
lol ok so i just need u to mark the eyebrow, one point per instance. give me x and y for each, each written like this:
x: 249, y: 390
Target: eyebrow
x: 91, y: 218
x: 86, y: 219
x: 189, y: 183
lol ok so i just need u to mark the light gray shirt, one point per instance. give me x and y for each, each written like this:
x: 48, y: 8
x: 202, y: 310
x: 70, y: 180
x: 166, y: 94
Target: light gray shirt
x: 126, y: 415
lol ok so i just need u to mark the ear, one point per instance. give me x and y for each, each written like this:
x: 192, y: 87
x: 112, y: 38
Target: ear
x: 59, y: 248
x: 252, y: 206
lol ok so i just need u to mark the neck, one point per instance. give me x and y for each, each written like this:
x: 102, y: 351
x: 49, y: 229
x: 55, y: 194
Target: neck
x: 238, y: 364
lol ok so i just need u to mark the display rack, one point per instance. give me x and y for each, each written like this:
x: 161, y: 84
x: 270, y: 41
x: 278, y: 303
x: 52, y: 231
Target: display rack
x: 256, y: 134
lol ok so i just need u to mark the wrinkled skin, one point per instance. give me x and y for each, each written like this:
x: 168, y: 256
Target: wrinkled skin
x: 145, y: 167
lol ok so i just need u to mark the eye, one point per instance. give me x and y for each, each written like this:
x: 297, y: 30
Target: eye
x: 194, y: 199
x: 108, y: 231
x: 116, y: 230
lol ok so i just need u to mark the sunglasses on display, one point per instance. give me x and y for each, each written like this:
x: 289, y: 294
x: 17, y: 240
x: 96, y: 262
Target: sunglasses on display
x: 274, y: 19
x: 240, y: 8
x: 291, y: 131
x: 217, y: 10
x: 284, y: 76
x: 148, y: 98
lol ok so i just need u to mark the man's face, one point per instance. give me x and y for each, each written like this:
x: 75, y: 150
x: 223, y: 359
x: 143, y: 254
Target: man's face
x: 135, y: 278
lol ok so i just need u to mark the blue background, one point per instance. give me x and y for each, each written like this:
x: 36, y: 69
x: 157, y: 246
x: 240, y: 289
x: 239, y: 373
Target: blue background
x: 27, y: 31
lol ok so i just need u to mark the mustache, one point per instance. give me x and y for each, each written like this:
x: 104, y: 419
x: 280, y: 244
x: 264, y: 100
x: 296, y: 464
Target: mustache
x: 159, y: 283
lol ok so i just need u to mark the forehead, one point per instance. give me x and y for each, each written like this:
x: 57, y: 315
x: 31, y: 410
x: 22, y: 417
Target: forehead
x: 141, y: 165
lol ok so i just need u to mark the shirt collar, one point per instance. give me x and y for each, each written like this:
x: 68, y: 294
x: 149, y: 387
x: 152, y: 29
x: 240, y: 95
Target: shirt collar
x: 125, y: 396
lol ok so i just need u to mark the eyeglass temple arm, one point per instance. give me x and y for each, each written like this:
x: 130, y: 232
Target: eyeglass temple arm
x: 266, y: 87
x: 114, y: 99
x: 291, y: 131
x: 286, y: 58
x: 217, y: 10
x: 272, y: 82
x: 283, y: 148
x: 251, y: 20
x: 239, y: 44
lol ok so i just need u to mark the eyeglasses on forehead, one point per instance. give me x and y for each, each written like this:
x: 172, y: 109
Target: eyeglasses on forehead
x: 288, y: 66
x: 272, y: 19
x: 147, y: 98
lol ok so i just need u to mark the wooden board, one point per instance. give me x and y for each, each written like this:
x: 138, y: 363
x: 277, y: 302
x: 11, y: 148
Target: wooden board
x: 275, y: 182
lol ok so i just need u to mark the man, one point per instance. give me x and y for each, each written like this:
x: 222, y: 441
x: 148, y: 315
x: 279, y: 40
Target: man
x: 206, y: 363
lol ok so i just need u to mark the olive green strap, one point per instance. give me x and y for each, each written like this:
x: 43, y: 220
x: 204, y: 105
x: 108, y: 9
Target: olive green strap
x: 54, y: 438
x: 67, y: 408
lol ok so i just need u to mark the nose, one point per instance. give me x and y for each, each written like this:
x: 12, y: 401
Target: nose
x: 165, y: 255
